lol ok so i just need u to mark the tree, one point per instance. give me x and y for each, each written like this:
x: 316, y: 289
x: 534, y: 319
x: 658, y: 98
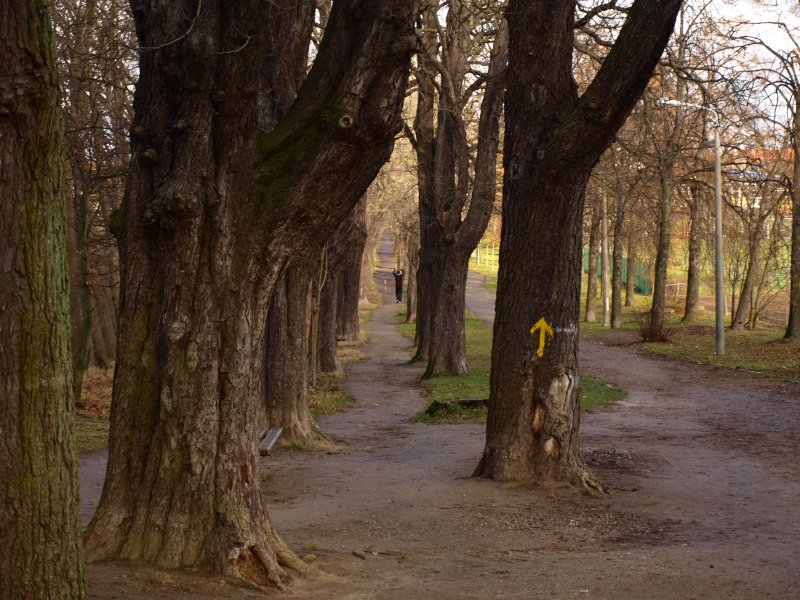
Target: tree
x: 348, y: 326
x: 452, y: 219
x: 787, y: 84
x: 283, y: 69
x: 41, y: 555
x: 554, y: 137
x: 212, y: 213
x: 695, y: 206
x: 590, y: 315
x: 756, y: 203
x: 95, y: 55
x: 691, y: 68
x: 620, y: 175
x: 336, y: 253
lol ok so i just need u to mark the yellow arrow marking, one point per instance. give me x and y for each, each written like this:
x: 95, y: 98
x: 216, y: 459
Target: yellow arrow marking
x: 545, y: 332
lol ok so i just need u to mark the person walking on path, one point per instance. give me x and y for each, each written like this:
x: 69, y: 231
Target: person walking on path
x: 398, y: 284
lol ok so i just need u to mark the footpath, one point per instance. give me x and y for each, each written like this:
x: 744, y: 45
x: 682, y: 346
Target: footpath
x: 702, y: 463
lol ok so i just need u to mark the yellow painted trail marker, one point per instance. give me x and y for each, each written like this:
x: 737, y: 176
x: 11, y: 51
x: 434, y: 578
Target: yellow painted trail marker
x: 545, y: 332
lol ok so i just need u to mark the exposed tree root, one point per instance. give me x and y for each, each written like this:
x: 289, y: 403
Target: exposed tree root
x: 314, y: 440
x: 588, y: 481
x: 258, y: 565
x: 581, y: 476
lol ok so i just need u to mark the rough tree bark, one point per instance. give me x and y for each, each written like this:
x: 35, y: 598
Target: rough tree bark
x: 553, y: 140
x: 348, y: 325
x: 203, y: 239
x: 40, y: 527
x: 449, y: 193
x: 286, y: 382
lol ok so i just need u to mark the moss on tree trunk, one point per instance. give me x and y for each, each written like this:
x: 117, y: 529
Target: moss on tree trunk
x: 41, y: 555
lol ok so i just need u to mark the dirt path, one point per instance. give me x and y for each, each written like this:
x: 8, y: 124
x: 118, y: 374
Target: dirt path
x: 703, y: 464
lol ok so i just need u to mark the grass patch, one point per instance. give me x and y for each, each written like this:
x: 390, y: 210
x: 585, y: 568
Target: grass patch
x: 91, y: 433
x: 489, y: 272
x: 595, y: 392
x: 476, y: 385
x: 328, y: 396
x: 760, y: 351
x: 349, y: 353
x: 632, y: 316
x: 454, y: 414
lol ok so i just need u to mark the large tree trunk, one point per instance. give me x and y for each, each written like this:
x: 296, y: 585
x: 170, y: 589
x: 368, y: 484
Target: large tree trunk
x: 348, y: 325
x: 203, y: 240
x: 456, y: 238
x: 286, y: 382
x: 40, y: 527
x: 659, y: 306
x: 553, y: 140
x: 282, y: 71
x: 443, y: 213
x: 327, y: 361
x: 284, y: 59
x: 590, y: 315
x: 693, y: 275
x: 448, y: 348
x: 425, y: 137
x: 338, y: 251
x: 374, y: 234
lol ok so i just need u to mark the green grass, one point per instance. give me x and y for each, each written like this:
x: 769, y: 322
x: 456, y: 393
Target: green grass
x: 476, y: 385
x: 91, y: 433
x: 762, y: 350
x: 489, y: 273
x: 455, y: 415
x: 328, y: 396
x: 595, y: 392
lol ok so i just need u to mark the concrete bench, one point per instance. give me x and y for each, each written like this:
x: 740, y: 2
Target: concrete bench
x: 268, y: 439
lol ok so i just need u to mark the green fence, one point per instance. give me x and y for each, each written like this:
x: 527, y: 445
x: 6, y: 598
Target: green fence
x: 641, y: 281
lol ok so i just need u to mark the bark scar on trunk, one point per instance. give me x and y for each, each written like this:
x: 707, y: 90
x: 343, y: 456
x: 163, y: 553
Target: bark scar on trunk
x: 559, y: 393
